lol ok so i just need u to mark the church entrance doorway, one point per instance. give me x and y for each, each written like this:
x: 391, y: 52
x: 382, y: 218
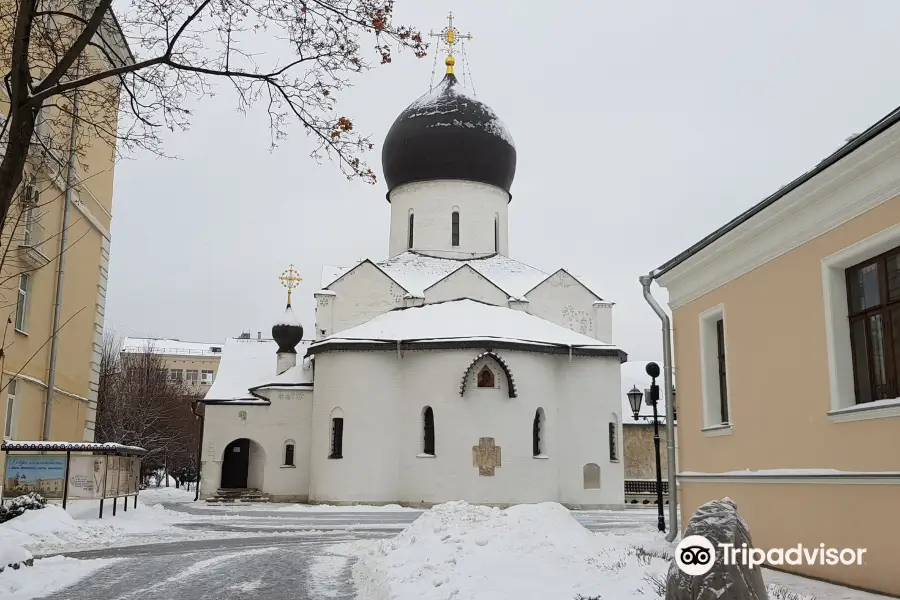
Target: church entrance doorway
x: 236, y: 464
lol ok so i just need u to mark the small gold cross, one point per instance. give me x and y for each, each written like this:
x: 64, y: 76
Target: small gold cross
x: 290, y: 279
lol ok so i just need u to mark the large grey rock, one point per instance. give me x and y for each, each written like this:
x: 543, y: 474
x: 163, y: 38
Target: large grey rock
x: 719, y: 522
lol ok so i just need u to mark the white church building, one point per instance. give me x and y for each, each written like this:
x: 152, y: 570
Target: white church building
x: 448, y: 371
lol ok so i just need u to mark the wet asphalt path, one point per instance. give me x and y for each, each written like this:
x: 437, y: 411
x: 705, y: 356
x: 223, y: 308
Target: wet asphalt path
x: 296, y: 562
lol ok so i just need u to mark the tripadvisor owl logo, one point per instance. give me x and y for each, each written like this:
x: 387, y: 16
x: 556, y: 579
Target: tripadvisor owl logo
x: 695, y: 555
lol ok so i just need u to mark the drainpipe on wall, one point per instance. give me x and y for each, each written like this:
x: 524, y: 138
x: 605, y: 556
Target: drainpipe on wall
x: 646, y: 280
x: 61, y: 269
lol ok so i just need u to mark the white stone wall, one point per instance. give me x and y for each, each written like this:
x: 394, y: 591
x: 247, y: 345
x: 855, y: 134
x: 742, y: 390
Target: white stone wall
x: 361, y: 295
x: 466, y: 282
x: 561, y: 299
x: 383, y: 401
x: 432, y: 202
x: 287, y: 418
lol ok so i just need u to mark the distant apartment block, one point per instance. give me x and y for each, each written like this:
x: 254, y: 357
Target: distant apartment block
x: 193, y: 364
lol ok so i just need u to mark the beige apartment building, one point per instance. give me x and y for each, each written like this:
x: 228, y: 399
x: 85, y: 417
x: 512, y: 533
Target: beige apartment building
x: 32, y: 358
x: 193, y: 364
x: 787, y: 351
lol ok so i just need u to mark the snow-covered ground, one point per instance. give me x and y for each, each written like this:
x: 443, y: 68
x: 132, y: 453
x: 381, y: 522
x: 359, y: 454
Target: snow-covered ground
x: 47, y: 576
x: 271, y: 506
x: 53, y: 529
x: 462, y: 552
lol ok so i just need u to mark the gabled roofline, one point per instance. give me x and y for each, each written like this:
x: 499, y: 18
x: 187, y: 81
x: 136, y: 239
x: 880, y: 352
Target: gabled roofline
x: 581, y: 283
x: 879, y: 127
x: 361, y: 263
x: 474, y: 270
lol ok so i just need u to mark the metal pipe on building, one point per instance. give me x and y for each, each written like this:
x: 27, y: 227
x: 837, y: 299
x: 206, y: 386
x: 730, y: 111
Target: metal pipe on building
x: 61, y: 268
x: 674, y: 529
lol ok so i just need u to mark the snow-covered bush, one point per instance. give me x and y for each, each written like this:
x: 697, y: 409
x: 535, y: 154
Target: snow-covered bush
x: 17, y: 506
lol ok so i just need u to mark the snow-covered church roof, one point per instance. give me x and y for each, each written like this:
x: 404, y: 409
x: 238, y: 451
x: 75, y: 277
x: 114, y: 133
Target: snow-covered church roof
x: 248, y: 365
x: 464, y: 323
x: 416, y: 272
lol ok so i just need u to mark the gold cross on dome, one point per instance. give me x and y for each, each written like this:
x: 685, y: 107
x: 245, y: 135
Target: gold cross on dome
x: 450, y: 35
x: 290, y: 279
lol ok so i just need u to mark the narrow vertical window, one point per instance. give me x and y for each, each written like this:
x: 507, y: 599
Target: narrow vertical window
x: 536, y: 433
x: 428, y: 421
x: 723, y: 381
x: 454, y: 222
x: 22, y: 303
x: 409, y: 233
x: 289, y: 454
x: 496, y: 234
x: 10, y: 407
x: 613, y: 442
x: 337, y: 438
x: 30, y: 200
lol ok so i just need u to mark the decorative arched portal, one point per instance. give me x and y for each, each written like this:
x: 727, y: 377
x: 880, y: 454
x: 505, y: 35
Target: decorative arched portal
x: 511, y: 383
x: 242, y: 465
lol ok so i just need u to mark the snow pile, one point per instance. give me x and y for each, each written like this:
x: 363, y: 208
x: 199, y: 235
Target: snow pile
x: 47, y: 576
x: 12, y: 555
x: 53, y: 529
x: 538, y: 551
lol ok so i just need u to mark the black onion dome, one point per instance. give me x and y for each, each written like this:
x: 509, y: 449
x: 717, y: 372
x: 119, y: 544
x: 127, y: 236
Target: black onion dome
x: 447, y: 134
x: 287, y: 332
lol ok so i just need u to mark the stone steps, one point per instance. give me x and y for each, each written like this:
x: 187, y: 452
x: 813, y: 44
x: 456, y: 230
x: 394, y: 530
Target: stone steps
x: 229, y: 496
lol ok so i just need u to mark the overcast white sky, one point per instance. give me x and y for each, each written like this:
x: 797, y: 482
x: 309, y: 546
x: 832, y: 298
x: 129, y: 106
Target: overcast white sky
x: 640, y: 127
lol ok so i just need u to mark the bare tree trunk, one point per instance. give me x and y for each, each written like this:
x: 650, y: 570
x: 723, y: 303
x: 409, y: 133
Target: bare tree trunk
x: 22, y: 116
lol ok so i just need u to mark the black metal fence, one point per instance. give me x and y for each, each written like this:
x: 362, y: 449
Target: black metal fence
x: 644, y: 486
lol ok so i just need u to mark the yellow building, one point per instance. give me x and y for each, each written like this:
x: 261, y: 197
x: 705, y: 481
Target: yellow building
x: 193, y: 364
x: 787, y: 350
x: 46, y: 285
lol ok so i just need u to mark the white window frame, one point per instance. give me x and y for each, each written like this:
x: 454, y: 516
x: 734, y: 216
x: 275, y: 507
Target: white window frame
x: 22, y: 303
x: 9, y: 415
x: 207, y: 376
x: 192, y: 381
x: 837, y: 328
x: 709, y: 373
x: 176, y: 375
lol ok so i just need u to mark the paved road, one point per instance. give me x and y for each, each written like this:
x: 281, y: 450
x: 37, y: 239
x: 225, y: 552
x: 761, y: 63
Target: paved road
x: 296, y: 564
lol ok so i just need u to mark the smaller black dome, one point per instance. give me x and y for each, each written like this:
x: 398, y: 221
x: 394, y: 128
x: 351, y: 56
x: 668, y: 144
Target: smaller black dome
x: 287, y: 332
x: 447, y: 134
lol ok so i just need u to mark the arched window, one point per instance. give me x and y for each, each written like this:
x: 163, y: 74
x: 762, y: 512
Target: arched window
x: 428, y: 422
x: 537, y: 432
x: 409, y: 233
x: 591, y: 476
x: 289, y: 453
x: 454, y: 223
x: 486, y: 378
x: 496, y: 234
x: 337, y: 434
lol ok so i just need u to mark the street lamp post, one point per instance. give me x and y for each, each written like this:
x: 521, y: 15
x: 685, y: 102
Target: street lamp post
x: 634, y: 399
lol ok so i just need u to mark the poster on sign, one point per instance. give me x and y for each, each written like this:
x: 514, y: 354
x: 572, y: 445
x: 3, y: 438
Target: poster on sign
x: 124, y: 475
x: 135, y: 475
x: 43, y: 474
x: 112, y: 476
x: 87, y: 477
